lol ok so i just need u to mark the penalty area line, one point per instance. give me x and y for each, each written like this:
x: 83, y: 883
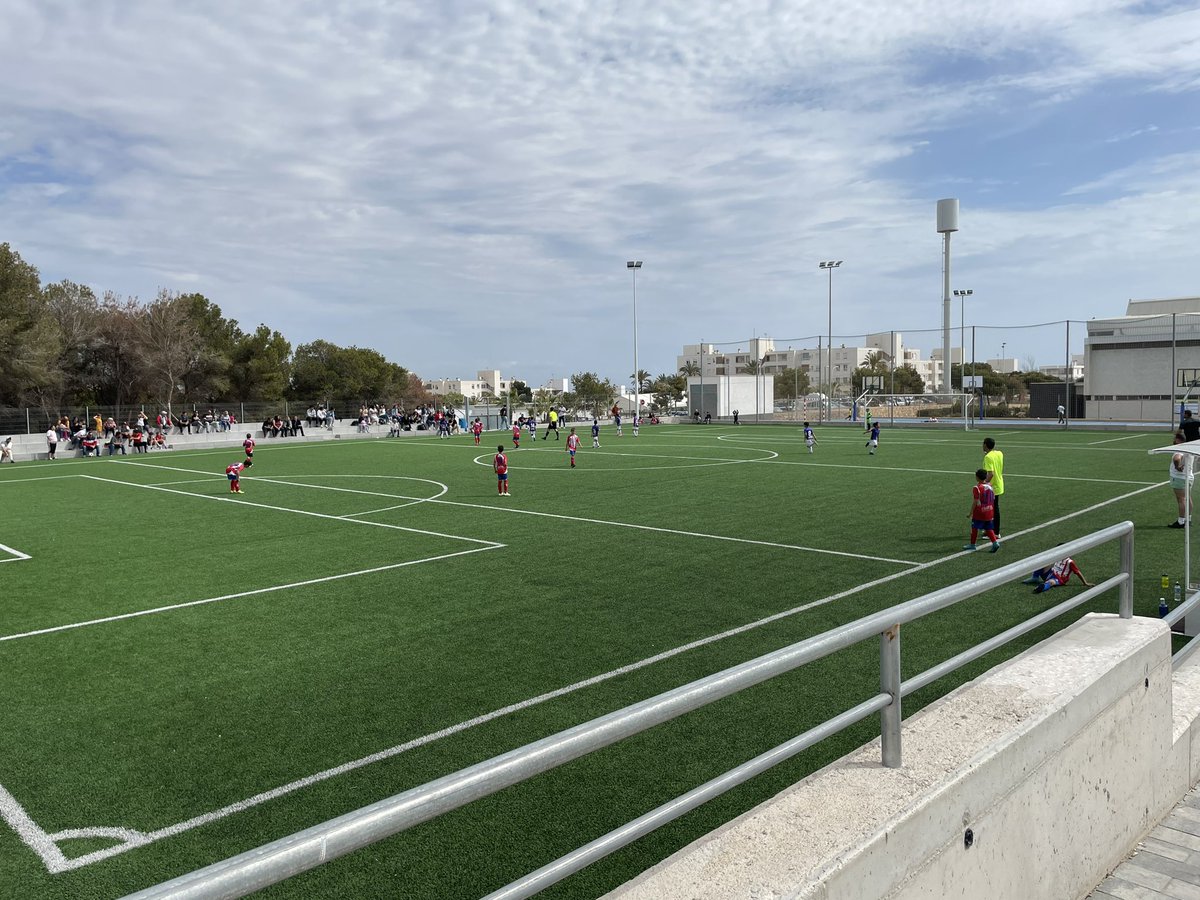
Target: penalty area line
x: 267, y: 590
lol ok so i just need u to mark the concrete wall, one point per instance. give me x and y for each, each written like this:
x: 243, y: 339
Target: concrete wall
x: 1057, y: 761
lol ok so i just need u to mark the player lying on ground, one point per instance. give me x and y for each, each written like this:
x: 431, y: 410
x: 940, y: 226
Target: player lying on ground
x: 1055, y: 576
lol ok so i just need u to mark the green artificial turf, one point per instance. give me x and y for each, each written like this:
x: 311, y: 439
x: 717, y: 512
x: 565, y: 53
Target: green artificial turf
x: 369, y: 594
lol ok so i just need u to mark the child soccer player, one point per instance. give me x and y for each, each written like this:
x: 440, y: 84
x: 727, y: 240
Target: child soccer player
x: 248, y: 446
x: 477, y: 430
x: 444, y: 428
x: 500, y: 466
x: 531, y: 424
x: 233, y: 473
x: 809, y: 438
x: 873, y: 443
x: 617, y: 422
x: 983, y: 507
x: 1055, y: 576
x: 516, y: 435
x: 572, y: 445
x: 637, y: 421
x: 595, y: 434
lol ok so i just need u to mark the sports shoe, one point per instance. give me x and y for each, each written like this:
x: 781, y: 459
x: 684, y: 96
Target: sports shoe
x: 1041, y: 588
x: 968, y: 546
x: 1176, y: 524
x: 1032, y: 579
x: 995, y: 548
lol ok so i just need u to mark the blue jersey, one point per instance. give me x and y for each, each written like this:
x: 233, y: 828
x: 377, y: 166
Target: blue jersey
x: 875, y: 432
x: 808, y: 434
x: 595, y: 429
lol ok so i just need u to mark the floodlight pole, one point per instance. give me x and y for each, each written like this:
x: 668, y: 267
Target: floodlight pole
x: 1067, y: 379
x: 633, y: 265
x: 830, y: 265
x: 962, y: 296
x: 947, y: 224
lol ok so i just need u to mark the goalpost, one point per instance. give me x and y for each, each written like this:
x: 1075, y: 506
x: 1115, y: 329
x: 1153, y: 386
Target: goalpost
x: 933, y: 408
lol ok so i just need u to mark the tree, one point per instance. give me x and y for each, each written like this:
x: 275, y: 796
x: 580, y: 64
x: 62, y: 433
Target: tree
x: 750, y: 368
x: 314, y: 375
x: 642, y: 377
x: 27, y: 333
x: 167, y: 344
x: 520, y: 391
x: 593, y: 393
x: 668, y: 390
x: 905, y: 380
x: 261, y: 366
x: 791, y: 384
x: 542, y: 401
x: 455, y: 400
x: 690, y: 370
x: 209, y: 375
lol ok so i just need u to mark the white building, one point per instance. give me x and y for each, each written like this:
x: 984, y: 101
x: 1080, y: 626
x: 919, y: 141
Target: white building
x: 711, y: 362
x: 486, y: 383
x: 1134, y: 364
x: 720, y: 395
x: 1074, y: 372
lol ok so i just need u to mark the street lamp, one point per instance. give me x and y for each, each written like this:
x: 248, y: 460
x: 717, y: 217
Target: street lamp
x: 830, y: 265
x: 962, y: 336
x: 633, y: 265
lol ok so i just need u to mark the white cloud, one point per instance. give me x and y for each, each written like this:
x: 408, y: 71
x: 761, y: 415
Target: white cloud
x: 458, y: 183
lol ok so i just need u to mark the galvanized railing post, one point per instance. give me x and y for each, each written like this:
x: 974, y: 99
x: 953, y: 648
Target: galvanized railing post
x: 889, y: 683
x: 1126, y: 601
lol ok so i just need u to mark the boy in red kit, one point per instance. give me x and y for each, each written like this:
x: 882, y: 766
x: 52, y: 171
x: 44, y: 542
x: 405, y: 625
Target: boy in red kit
x: 500, y: 465
x: 248, y: 446
x: 572, y: 445
x: 983, y: 507
x: 477, y: 430
x: 516, y: 436
x: 234, y: 472
x: 1056, y: 576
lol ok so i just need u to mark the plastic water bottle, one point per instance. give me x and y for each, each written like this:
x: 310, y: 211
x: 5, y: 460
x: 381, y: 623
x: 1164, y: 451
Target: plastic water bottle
x: 1166, y: 582
x: 1163, y: 609
x: 1178, y: 591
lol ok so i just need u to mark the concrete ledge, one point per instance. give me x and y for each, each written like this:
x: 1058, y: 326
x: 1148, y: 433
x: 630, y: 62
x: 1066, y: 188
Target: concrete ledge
x: 1058, y: 762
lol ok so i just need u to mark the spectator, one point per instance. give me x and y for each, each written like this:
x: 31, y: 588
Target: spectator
x: 1190, y: 426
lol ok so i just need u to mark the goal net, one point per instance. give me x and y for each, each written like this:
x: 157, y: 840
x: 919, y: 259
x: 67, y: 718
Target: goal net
x: 956, y: 408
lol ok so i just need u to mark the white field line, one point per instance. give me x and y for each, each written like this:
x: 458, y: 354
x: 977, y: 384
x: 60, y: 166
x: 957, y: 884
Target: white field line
x: 1013, y: 476
x: 530, y: 512
x: 287, y: 509
x: 1111, y: 440
x: 22, y: 480
x: 17, y: 555
x: 887, y: 440
x: 660, y: 530
x: 44, y: 844
x: 266, y: 590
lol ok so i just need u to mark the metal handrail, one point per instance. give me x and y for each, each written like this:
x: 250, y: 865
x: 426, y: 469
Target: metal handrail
x: 304, y: 850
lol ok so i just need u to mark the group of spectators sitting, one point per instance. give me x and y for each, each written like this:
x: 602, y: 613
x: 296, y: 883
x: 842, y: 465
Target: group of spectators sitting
x: 116, y: 438
x: 320, y: 417
x: 424, y: 417
x: 283, y: 426
x: 195, y: 423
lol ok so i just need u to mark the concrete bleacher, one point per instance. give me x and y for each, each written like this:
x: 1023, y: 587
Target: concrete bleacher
x: 33, y: 446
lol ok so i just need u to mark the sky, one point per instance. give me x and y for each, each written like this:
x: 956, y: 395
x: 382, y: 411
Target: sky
x: 459, y: 185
